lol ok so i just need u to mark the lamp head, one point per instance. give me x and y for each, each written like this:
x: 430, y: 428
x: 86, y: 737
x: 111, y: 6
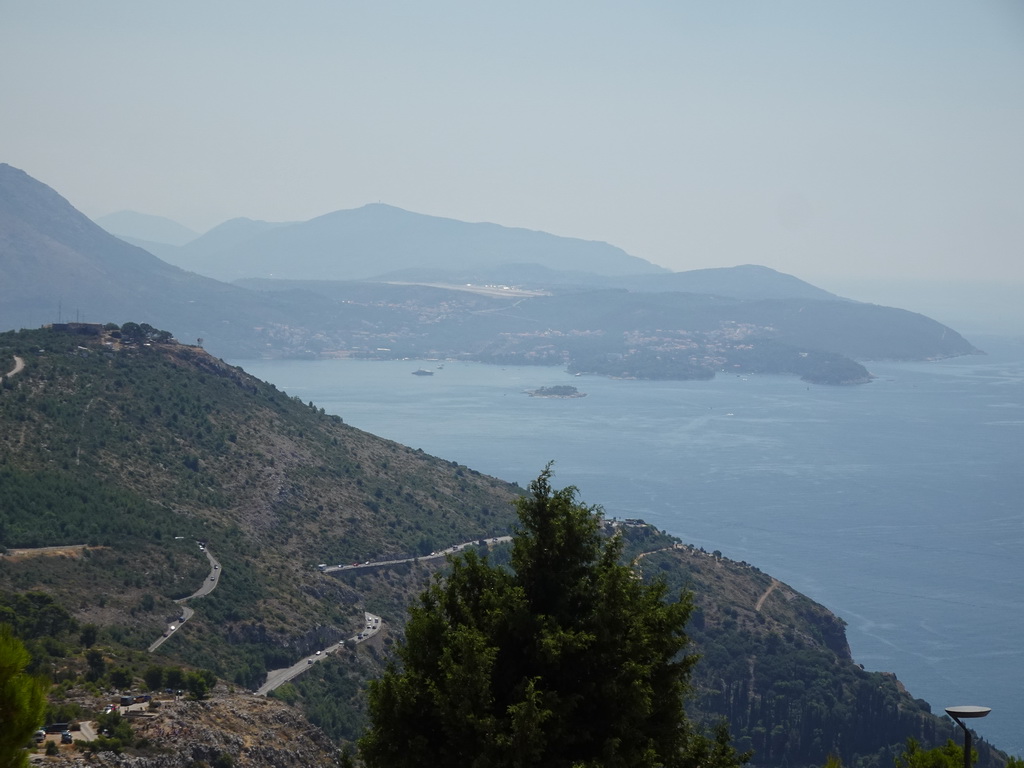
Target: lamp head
x: 958, y: 712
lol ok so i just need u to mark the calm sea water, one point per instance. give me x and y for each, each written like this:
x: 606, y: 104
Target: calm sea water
x: 897, y: 504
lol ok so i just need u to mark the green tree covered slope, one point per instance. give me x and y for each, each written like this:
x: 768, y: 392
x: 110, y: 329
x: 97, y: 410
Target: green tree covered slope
x: 135, y: 448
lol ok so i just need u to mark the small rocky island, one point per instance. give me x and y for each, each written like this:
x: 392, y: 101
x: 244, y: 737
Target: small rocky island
x: 561, y: 391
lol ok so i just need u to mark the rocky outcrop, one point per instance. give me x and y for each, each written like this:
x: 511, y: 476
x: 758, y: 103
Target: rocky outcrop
x: 229, y: 728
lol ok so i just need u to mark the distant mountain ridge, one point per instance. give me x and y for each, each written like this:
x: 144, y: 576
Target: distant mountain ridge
x: 56, y: 264
x: 388, y: 239
x: 362, y: 243
x: 586, y: 305
x: 147, y: 227
x: 746, y: 281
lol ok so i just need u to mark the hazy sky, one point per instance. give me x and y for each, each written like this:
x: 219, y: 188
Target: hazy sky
x: 831, y: 140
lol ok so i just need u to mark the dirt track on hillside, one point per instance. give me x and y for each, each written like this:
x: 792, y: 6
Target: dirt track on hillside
x: 19, y: 366
x: 68, y: 550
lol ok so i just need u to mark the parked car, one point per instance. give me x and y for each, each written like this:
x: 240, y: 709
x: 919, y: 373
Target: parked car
x: 39, y: 735
x: 65, y: 737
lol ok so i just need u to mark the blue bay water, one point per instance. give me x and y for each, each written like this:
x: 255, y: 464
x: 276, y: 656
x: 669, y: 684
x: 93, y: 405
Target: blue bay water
x: 896, y: 504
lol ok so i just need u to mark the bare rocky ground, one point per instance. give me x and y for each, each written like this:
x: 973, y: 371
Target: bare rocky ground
x: 228, y: 728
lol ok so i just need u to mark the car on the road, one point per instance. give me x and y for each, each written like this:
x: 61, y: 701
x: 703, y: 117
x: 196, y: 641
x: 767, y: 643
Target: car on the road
x: 173, y: 627
x: 213, y: 578
x: 309, y: 661
x: 318, y: 653
x: 215, y: 566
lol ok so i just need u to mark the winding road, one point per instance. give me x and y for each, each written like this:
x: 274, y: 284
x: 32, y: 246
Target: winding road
x: 278, y: 677
x: 373, y: 623
x: 432, y: 556
x: 209, y: 584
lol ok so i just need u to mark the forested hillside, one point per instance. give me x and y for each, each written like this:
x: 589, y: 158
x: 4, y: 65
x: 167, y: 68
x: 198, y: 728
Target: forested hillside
x: 123, y: 449
x: 141, y: 449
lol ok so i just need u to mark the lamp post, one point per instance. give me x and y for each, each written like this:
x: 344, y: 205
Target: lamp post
x: 962, y: 712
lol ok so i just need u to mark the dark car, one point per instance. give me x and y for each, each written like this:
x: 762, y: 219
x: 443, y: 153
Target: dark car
x: 65, y: 737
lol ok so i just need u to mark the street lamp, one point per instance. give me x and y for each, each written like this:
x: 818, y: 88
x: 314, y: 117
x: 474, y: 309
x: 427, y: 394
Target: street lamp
x: 962, y: 712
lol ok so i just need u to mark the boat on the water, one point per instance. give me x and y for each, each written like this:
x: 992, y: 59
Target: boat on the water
x: 422, y: 372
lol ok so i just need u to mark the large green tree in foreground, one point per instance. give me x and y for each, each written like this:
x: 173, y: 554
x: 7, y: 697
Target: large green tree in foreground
x: 22, y: 700
x: 565, y: 659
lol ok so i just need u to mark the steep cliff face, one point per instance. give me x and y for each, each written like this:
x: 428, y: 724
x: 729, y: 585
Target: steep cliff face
x: 778, y: 666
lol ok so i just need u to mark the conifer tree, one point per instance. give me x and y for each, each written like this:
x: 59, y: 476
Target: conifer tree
x: 566, y: 659
x: 22, y: 700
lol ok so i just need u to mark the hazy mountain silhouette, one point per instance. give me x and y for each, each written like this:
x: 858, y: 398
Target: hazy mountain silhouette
x: 147, y: 227
x: 232, y: 233
x: 56, y: 264
x: 387, y: 244
x: 365, y: 242
x: 747, y: 281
